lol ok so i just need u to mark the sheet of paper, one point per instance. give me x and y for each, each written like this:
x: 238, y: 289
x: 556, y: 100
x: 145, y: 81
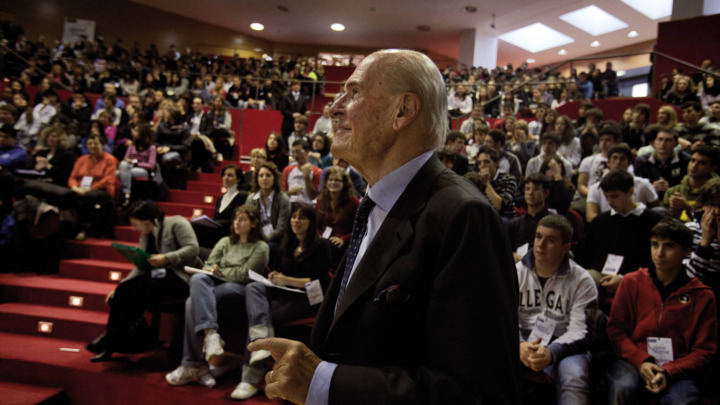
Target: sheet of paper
x: 86, y: 182
x: 612, y: 264
x: 193, y: 270
x: 314, y: 292
x: 543, y: 329
x: 260, y: 278
x: 522, y: 250
x: 327, y: 232
x: 661, y: 349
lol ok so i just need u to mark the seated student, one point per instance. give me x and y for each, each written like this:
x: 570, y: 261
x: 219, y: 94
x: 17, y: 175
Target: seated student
x: 561, y: 188
x: 52, y: 156
x: 680, y: 199
x: 664, y: 168
x: 499, y: 188
x: 549, y: 142
x: 173, y: 245
x: 692, y: 130
x: 455, y: 142
x: 300, y: 132
x: 555, y: 292
x: 173, y: 139
x: 357, y: 180
x: 301, y: 180
x: 12, y: 156
x: 632, y: 133
x: 588, y: 133
x: 622, y: 232
x: 620, y: 157
x: 230, y: 261
x: 321, y: 151
x: 535, y: 127
x: 509, y: 163
x: 569, y: 143
x: 521, y: 230
x: 139, y: 161
x: 92, y: 180
x: 275, y: 149
x: 663, y: 326
x: 704, y: 260
x: 273, y: 203
x: 520, y: 145
x: 304, y: 257
x: 336, y: 207
x: 225, y: 205
x: 593, y: 167
x: 258, y: 156
x: 476, y: 140
x: 477, y: 115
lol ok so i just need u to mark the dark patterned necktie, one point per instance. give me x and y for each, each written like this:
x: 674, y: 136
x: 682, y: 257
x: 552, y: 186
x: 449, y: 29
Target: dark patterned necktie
x: 358, y: 232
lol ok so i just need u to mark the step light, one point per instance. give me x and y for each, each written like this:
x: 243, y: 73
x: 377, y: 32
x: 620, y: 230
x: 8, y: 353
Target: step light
x: 209, y: 199
x: 197, y: 212
x: 223, y: 190
x: 45, y: 327
x: 115, y: 276
x: 76, y: 301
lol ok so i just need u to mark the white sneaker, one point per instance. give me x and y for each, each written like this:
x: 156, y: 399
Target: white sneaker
x: 183, y: 375
x: 224, y: 364
x: 243, y: 391
x: 258, y: 356
x: 213, y: 346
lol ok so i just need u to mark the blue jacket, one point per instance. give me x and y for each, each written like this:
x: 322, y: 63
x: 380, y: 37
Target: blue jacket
x: 13, y: 158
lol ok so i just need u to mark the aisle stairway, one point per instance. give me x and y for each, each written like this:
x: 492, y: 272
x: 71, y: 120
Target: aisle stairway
x: 45, y: 322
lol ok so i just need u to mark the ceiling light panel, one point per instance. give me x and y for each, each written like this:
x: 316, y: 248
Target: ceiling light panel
x: 653, y: 9
x: 536, y: 37
x: 594, y: 20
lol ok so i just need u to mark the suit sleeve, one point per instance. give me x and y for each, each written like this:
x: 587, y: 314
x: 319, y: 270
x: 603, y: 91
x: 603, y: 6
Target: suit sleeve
x: 461, y: 361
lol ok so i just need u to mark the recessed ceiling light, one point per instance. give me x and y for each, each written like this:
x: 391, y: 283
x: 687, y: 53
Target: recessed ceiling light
x: 282, y: 8
x: 652, y: 9
x: 470, y: 9
x: 536, y: 37
x: 593, y: 20
x: 257, y: 26
x: 531, y: 60
x: 423, y: 28
x: 632, y: 34
x: 562, y: 52
x: 595, y: 44
x: 337, y: 27
x: 257, y: 50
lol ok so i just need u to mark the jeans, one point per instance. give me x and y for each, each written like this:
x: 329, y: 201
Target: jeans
x: 572, y: 379
x: 171, y: 158
x: 126, y: 172
x: 627, y: 387
x: 201, y: 313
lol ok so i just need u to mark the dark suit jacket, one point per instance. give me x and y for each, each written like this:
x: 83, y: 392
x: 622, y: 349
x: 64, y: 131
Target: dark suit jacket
x: 448, y: 334
x: 288, y: 106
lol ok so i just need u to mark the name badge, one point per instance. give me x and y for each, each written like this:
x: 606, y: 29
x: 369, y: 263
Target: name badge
x: 612, y: 264
x: 327, y: 232
x: 522, y: 250
x: 314, y: 292
x: 158, y: 273
x: 86, y: 182
x: 543, y: 329
x: 661, y: 349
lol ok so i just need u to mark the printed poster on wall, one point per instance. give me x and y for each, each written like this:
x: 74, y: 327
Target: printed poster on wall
x: 73, y: 28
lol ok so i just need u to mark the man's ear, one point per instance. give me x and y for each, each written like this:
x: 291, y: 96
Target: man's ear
x: 408, y: 109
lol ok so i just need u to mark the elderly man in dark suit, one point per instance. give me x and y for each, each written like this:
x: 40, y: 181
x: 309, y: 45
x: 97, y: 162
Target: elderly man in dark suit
x: 293, y: 104
x: 423, y: 308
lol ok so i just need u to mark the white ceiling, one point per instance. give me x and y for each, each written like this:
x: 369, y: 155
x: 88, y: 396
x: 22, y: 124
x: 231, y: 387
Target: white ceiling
x: 393, y: 23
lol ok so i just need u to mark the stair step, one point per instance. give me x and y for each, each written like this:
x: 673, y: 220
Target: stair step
x: 206, y: 177
x: 192, y: 197
x: 54, y: 291
x: 95, y: 270
x: 186, y: 210
x: 204, y: 187
x: 24, y: 394
x: 99, y: 249
x: 44, y: 320
x: 126, y: 233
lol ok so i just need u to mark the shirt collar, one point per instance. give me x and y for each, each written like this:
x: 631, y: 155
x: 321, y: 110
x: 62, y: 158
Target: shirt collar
x: 529, y: 262
x: 637, y: 211
x: 388, y: 190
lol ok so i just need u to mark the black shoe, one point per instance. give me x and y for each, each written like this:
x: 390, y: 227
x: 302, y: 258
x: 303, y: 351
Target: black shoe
x: 100, y: 344
x: 102, y: 356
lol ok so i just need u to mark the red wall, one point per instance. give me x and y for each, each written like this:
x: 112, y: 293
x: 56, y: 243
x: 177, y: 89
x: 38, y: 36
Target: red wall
x: 690, y: 40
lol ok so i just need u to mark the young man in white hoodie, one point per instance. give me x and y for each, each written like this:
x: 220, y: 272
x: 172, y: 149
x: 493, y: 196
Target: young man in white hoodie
x: 554, y: 294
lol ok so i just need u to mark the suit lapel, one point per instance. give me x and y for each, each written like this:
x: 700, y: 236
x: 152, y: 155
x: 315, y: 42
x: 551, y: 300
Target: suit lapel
x: 395, y: 232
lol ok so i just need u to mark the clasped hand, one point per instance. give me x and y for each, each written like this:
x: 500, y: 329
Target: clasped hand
x: 535, y: 356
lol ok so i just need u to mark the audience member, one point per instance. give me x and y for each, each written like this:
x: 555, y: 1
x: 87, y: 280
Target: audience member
x: 139, y: 161
x: 477, y: 115
x: 299, y: 130
x: 172, y: 245
x: 665, y: 167
x: 229, y: 263
x: 520, y: 145
x: 336, y: 207
x: 682, y: 91
x: 52, y: 156
x: 301, y: 179
x: 555, y: 295
x: 321, y: 150
x: 680, y: 199
x: 692, y: 131
x: 665, y: 345
x: 569, y: 143
x: 275, y: 149
x: 292, y: 105
x: 632, y: 134
x: 521, y: 230
x: 499, y: 188
x: 550, y: 143
x: 234, y: 196
x: 273, y: 203
x: 455, y: 142
x: 323, y: 123
x: 12, y: 156
x: 509, y: 163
